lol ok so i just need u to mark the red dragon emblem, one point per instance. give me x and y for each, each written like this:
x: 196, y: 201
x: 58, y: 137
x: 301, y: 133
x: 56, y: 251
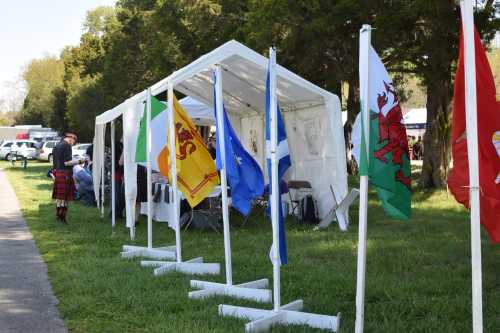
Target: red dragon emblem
x: 185, y: 139
x: 392, y: 130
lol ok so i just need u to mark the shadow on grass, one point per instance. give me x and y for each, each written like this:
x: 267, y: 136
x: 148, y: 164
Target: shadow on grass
x: 418, y: 271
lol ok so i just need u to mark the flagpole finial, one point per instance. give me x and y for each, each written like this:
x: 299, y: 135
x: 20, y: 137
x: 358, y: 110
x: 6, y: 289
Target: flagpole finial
x: 365, y: 28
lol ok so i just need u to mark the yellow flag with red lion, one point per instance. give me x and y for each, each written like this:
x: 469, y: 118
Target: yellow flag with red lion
x: 196, y: 172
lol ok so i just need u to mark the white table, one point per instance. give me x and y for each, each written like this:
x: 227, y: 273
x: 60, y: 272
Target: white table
x: 162, y: 210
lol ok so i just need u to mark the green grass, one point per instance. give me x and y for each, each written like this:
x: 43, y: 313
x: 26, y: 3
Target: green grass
x: 418, y: 272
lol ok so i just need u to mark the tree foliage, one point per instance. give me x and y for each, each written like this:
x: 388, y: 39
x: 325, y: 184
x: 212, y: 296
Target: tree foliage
x: 42, y: 76
x: 126, y: 48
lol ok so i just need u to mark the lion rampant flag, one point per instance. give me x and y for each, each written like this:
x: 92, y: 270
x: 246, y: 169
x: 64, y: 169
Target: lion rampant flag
x: 386, y: 159
x: 196, y: 172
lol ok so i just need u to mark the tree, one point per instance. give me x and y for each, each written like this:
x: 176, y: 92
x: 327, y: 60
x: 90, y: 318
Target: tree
x: 58, y: 119
x: 430, y: 50
x: 84, y: 104
x: 99, y: 20
x: 7, y: 118
x: 41, y: 76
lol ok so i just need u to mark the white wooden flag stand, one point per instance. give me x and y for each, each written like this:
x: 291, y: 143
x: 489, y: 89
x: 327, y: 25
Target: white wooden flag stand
x: 249, y: 290
x: 195, y: 265
x: 364, y: 58
x: 130, y: 251
x: 290, y: 314
x: 473, y: 153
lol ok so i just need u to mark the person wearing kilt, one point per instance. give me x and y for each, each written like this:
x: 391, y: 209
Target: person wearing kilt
x: 64, y: 185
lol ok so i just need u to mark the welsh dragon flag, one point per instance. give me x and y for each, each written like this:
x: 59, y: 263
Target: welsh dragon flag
x: 386, y: 159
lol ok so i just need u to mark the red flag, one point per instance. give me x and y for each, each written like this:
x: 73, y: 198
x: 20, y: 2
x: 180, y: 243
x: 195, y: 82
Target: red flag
x: 488, y: 128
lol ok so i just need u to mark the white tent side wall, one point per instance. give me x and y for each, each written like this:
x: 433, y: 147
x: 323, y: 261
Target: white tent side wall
x: 131, y: 119
x: 252, y: 136
x: 316, y: 142
x: 97, y: 162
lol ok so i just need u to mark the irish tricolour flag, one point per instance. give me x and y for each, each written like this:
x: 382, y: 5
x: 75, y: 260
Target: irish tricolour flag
x: 385, y: 160
x: 158, y: 130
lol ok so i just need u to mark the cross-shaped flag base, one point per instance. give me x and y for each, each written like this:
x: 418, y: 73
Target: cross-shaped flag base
x: 289, y: 314
x: 195, y: 266
x: 131, y: 251
x: 253, y: 290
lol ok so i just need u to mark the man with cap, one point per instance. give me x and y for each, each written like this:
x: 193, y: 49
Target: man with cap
x: 64, y: 185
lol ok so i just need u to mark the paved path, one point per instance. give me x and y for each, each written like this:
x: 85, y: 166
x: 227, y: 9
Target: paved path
x: 27, y: 303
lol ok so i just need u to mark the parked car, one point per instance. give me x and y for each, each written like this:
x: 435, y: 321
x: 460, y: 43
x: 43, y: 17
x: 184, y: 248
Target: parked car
x: 5, y: 148
x: 7, y: 145
x: 80, y: 150
x: 45, y: 152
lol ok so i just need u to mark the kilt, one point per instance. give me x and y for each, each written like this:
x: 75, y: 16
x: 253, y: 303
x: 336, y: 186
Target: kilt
x: 64, y: 185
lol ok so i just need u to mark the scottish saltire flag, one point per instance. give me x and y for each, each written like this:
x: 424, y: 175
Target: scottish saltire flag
x: 284, y: 162
x: 243, y: 172
x: 385, y: 160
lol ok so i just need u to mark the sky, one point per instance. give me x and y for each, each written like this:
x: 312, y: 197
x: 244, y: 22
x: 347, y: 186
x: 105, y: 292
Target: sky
x: 33, y: 28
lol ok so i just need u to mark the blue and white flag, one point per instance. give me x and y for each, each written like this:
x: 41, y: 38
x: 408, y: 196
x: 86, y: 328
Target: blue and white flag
x: 284, y: 162
x: 243, y: 172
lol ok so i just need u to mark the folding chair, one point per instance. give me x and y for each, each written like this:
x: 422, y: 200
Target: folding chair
x: 300, y: 189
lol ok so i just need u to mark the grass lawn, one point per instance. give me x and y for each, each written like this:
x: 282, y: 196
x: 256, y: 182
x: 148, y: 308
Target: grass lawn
x: 418, y: 272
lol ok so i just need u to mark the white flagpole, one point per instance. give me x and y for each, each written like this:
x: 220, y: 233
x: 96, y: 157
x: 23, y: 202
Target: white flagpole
x: 113, y: 195
x: 364, y: 49
x: 148, y: 165
x: 275, y: 184
x: 472, y: 150
x: 173, y: 171
x: 222, y: 147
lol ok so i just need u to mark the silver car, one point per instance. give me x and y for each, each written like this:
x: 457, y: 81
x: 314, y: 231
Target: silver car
x: 80, y: 150
x: 45, y: 152
x: 7, y: 147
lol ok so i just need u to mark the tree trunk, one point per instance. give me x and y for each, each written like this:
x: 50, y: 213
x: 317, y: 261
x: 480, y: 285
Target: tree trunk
x: 437, y: 136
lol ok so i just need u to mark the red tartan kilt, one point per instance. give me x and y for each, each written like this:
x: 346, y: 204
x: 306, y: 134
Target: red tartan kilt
x: 64, y: 185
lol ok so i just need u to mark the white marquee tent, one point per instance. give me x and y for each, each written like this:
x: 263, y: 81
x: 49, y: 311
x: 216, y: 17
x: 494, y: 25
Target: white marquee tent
x: 311, y: 114
x: 313, y: 123
x: 415, y: 121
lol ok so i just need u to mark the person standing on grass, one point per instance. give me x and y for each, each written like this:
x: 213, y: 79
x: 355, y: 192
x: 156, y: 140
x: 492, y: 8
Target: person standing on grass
x: 64, y: 185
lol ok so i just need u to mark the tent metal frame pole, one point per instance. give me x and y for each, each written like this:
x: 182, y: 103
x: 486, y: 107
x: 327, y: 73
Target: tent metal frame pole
x: 473, y: 153
x: 288, y: 314
x: 364, y: 58
x: 249, y: 290
x: 103, y: 181
x: 113, y: 185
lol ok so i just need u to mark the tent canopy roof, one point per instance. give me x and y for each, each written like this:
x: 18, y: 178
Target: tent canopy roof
x: 415, y: 116
x: 243, y: 81
x: 244, y: 74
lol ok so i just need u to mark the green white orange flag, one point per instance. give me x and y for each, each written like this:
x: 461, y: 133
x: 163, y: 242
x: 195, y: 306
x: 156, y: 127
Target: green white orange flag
x: 158, y: 132
x: 386, y: 159
x: 196, y: 172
